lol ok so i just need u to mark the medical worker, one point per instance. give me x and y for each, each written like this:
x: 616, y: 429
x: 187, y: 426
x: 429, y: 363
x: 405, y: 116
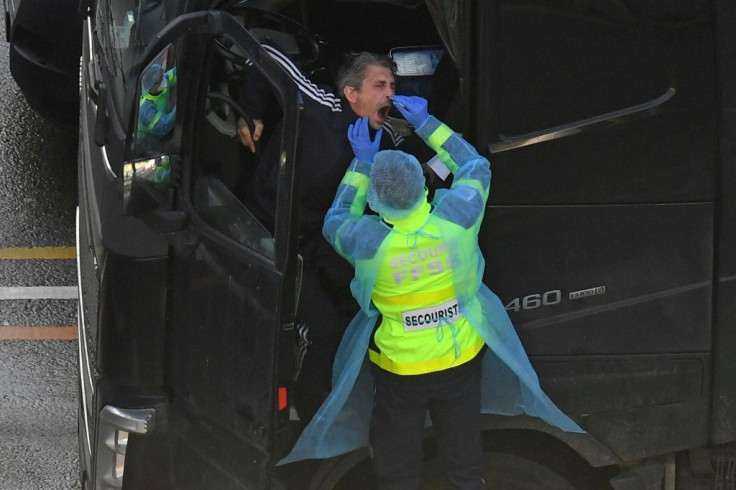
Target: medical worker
x: 437, y: 339
x: 155, y: 116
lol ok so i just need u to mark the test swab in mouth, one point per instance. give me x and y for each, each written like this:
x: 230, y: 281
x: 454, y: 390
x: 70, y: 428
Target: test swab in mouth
x: 394, y: 102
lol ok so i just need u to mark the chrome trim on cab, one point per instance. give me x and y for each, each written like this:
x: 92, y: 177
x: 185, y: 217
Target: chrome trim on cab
x: 114, y: 426
x: 85, y: 375
x: 138, y: 420
x: 557, y: 132
x: 108, y: 168
x: 88, y: 30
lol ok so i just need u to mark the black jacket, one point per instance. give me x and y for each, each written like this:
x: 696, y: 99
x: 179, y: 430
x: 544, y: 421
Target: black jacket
x: 323, y: 155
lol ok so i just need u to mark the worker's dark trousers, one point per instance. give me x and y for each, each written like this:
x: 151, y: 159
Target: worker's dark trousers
x: 401, y: 403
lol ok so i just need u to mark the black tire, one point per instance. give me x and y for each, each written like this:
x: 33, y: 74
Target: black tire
x: 503, y: 471
x: 507, y: 472
x: 515, y: 460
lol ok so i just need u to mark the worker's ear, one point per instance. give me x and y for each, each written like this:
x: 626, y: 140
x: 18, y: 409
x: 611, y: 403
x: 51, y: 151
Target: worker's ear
x: 351, y: 94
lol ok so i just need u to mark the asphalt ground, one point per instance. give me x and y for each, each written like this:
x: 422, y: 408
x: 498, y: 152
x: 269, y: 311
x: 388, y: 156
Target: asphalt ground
x: 38, y: 349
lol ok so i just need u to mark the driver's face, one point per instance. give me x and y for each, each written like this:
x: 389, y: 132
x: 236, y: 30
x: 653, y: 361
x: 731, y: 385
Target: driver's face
x: 373, y: 97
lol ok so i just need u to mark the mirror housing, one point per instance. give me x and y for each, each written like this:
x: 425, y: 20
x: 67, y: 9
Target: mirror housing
x: 148, y: 193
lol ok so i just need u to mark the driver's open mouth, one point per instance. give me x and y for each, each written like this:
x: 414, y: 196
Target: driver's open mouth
x: 383, y: 111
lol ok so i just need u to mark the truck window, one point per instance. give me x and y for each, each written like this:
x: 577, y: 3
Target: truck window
x: 221, y: 210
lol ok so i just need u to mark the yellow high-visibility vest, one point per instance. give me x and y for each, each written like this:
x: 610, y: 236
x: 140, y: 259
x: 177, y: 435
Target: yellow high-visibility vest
x: 422, y: 329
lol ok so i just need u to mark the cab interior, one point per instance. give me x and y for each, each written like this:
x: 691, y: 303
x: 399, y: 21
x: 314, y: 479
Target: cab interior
x: 317, y: 36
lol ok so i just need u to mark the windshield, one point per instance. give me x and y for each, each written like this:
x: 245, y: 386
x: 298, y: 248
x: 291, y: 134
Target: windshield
x: 125, y: 28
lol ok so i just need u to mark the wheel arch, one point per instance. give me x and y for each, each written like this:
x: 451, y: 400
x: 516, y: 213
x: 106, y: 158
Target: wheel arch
x: 579, y: 456
x: 584, y: 445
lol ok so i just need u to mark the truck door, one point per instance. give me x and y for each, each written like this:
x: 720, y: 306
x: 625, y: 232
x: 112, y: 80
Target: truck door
x: 233, y: 282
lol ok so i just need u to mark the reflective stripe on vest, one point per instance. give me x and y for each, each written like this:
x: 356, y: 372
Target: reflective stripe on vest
x: 361, y: 181
x: 155, y: 120
x: 428, y: 366
x: 161, y: 101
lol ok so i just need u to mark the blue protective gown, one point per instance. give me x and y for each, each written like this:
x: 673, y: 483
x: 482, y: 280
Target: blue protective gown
x: 155, y: 117
x: 509, y: 386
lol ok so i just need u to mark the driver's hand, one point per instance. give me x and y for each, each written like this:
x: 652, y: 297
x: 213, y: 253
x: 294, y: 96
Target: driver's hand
x: 246, y: 139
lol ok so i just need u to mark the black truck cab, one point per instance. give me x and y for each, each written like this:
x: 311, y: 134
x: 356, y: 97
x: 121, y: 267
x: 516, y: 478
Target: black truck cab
x: 609, y: 233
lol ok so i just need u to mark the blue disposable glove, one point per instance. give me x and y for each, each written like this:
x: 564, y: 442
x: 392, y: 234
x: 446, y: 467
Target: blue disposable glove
x: 360, y: 139
x: 414, y: 109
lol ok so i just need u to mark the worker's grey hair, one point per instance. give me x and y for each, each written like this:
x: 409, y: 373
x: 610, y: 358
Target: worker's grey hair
x: 352, y: 71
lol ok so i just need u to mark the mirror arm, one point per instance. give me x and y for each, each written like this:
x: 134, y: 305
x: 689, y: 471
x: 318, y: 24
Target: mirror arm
x: 166, y: 221
x: 84, y: 8
x: 184, y: 242
x: 102, y: 118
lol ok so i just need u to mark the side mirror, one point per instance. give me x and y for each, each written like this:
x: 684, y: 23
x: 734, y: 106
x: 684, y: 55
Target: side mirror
x: 156, y: 120
x: 148, y: 193
x: 146, y: 184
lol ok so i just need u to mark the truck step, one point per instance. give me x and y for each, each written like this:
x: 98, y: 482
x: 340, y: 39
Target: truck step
x: 724, y: 464
x: 711, y: 469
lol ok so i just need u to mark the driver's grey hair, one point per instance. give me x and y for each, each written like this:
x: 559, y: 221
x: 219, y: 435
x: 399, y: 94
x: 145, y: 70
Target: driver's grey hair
x: 352, y: 72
